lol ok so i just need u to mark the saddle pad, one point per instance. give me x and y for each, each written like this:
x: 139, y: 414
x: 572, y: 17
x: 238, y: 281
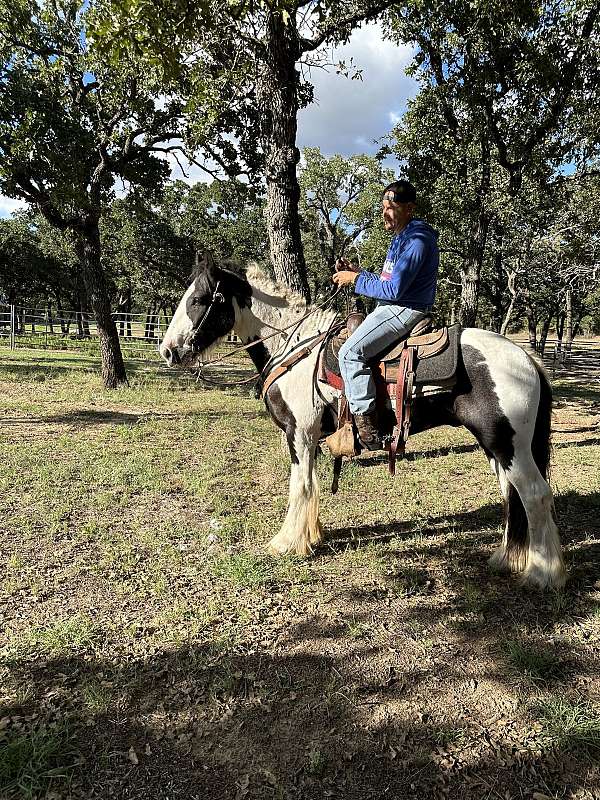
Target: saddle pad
x: 439, y: 369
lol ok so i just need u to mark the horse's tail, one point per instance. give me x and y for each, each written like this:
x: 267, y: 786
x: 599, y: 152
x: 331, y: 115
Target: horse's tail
x: 541, y: 446
x: 516, y: 518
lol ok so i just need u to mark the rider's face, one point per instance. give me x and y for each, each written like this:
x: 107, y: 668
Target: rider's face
x: 396, y: 215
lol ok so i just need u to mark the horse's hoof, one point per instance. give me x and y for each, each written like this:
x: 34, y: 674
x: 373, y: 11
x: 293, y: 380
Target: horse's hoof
x: 538, y: 578
x: 283, y: 548
x: 277, y: 549
x: 316, y: 536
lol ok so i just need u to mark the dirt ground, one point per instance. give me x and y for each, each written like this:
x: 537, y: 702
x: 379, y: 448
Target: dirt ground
x: 150, y: 649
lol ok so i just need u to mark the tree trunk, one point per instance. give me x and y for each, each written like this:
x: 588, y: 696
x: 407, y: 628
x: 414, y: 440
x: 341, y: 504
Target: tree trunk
x: 560, y: 329
x: 278, y: 102
x: 544, y: 333
x: 471, y: 272
x: 469, y: 297
x: 113, y: 367
x: 512, y: 277
x: 532, y: 320
x: 499, y: 313
x: 568, y: 322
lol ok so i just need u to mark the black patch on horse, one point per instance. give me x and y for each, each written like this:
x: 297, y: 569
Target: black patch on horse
x: 258, y: 353
x: 282, y: 416
x: 481, y: 413
x: 231, y: 286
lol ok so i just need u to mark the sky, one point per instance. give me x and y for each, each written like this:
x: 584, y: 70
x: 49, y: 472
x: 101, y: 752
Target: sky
x: 347, y: 115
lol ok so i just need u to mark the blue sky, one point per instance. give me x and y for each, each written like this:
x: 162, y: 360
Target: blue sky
x: 347, y: 115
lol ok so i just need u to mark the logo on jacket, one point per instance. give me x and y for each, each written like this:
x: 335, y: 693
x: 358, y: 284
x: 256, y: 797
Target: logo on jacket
x: 386, y: 272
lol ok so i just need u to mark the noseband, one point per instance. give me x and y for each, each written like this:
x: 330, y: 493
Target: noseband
x: 216, y: 299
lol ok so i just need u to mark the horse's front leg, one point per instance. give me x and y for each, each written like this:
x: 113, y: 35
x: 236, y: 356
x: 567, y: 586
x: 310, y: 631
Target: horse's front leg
x: 301, y: 531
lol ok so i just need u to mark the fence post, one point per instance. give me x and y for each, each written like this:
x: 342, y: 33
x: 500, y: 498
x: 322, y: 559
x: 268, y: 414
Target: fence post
x: 12, y: 327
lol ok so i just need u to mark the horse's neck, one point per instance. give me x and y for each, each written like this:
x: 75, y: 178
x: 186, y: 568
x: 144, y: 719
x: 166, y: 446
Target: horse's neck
x: 262, y: 319
x: 269, y: 314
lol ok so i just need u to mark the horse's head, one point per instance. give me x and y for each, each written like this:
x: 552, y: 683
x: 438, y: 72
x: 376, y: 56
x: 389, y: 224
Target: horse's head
x: 206, y: 313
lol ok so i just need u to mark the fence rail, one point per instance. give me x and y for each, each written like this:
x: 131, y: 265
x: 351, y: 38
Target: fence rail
x: 141, y: 333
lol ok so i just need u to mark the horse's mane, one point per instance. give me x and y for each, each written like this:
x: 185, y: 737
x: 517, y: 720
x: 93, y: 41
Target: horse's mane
x: 256, y: 275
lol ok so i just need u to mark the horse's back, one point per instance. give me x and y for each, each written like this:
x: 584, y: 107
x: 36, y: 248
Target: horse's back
x: 501, y: 370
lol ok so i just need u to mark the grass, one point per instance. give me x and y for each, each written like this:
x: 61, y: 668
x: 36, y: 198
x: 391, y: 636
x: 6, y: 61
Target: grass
x: 531, y: 662
x: 35, y: 763
x: 409, y: 582
x: 141, y: 606
x: 73, y: 633
x: 450, y: 737
x: 243, y: 569
x: 570, y: 725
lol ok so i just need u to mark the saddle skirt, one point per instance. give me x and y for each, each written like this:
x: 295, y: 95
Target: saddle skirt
x: 435, y: 360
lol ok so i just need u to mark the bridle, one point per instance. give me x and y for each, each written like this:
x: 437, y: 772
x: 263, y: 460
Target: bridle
x: 219, y: 298
x: 216, y: 298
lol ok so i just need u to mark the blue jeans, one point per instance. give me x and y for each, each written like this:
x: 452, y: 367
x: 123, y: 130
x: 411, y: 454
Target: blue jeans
x: 384, y: 326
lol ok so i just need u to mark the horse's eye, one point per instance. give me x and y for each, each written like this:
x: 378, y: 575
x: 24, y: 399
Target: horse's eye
x: 196, y: 301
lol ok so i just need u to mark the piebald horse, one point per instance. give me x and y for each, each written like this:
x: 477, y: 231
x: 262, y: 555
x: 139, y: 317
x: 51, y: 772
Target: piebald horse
x: 502, y: 396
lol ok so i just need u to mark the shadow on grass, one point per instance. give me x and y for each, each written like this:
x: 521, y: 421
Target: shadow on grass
x: 91, y: 417
x: 201, y: 722
x: 577, y: 391
x: 579, y: 443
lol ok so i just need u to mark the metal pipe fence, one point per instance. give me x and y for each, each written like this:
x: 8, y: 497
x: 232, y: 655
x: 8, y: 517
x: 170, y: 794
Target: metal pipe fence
x: 140, y: 333
x: 579, y: 357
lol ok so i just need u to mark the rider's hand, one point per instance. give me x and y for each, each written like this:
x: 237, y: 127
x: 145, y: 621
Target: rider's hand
x: 345, y: 277
x: 343, y: 265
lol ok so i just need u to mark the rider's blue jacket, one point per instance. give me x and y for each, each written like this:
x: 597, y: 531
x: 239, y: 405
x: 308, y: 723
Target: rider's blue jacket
x: 409, y: 275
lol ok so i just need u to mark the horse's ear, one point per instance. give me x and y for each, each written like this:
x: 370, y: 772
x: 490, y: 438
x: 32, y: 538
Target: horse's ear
x: 205, y: 262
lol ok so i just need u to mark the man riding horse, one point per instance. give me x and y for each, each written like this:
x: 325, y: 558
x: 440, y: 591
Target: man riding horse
x: 404, y: 291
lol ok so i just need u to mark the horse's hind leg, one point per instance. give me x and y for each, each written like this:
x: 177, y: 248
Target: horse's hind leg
x: 511, y: 556
x: 301, y: 531
x: 544, y: 567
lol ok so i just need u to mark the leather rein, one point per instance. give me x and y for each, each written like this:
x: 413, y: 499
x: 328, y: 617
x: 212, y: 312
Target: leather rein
x: 278, y: 371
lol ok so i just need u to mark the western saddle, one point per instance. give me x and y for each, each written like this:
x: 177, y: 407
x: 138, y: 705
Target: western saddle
x: 402, y: 372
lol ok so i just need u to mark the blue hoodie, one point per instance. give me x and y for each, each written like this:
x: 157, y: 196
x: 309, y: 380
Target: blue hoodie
x: 409, y: 275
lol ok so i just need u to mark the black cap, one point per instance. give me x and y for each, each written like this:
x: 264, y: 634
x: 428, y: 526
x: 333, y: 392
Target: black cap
x: 400, y: 192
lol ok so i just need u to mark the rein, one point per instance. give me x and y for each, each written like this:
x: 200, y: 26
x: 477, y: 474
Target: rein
x: 277, y: 332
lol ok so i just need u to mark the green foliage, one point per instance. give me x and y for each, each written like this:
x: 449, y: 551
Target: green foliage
x: 243, y: 569
x: 70, y: 122
x: 498, y: 114
x: 575, y: 726
x: 150, y: 250
x: 74, y: 632
x: 340, y: 204
x: 533, y: 663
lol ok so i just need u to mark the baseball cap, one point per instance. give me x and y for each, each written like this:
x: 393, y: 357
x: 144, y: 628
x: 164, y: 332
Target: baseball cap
x: 400, y: 192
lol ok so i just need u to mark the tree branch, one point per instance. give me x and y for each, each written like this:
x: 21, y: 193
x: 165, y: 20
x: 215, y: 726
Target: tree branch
x: 329, y: 30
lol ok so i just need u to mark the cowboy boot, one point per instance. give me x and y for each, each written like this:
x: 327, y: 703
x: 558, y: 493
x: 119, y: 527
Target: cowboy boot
x: 368, y: 432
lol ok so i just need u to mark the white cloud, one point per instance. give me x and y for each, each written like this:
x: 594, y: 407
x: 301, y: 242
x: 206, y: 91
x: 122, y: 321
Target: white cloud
x: 8, y: 205
x: 347, y: 115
